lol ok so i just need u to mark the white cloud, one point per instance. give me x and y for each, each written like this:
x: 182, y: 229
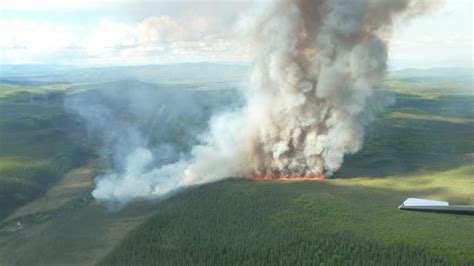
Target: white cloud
x: 444, y: 35
x: 180, y: 31
x: 34, y: 35
x: 199, y: 23
x: 190, y: 31
x: 39, y: 5
x: 49, y: 5
x: 109, y: 36
x: 155, y: 31
x: 160, y: 39
x: 59, y: 5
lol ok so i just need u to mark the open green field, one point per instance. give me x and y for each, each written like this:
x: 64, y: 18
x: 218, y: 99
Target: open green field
x: 422, y: 146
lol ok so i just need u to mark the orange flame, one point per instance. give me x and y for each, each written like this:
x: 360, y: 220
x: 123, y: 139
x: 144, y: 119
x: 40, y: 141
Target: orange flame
x: 312, y: 178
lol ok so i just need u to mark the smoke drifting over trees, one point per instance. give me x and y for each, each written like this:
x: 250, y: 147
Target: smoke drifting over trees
x: 314, y: 85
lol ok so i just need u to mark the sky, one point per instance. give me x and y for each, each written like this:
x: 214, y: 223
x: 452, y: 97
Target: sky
x: 137, y: 32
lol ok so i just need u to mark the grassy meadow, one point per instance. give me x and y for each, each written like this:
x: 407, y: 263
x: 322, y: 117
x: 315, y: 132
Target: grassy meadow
x: 421, y: 146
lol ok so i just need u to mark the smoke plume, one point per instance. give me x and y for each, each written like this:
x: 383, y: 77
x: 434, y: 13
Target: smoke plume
x: 317, y: 66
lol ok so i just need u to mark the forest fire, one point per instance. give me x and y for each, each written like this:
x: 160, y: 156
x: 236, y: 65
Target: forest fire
x: 309, y: 177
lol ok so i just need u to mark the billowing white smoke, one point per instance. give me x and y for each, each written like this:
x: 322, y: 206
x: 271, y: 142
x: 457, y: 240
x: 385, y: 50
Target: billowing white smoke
x: 317, y: 65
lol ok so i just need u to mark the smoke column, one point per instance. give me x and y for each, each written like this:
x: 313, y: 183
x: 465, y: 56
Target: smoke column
x: 314, y: 85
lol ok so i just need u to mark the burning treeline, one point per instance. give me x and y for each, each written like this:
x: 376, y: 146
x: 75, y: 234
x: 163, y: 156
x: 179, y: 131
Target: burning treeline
x: 314, y: 85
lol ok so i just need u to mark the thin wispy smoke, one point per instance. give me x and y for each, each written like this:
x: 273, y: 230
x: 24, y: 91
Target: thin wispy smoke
x: 314, y: 85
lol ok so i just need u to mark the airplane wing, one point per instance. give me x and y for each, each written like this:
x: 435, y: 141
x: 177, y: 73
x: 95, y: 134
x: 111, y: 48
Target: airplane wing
x: 413, y: 204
